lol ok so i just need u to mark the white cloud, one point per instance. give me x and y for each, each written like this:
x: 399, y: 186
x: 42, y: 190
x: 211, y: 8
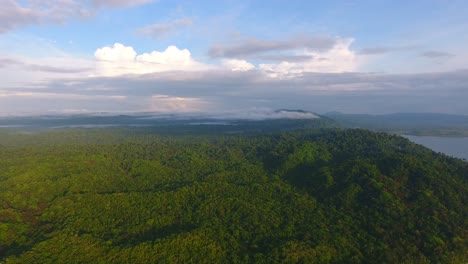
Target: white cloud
x: 116, y: 53
x: 175, y: 82
x: 340, y: 58
x: 171, y: 56
x: 282, y: 70
x: 238, y: 65
x: 122, y: 60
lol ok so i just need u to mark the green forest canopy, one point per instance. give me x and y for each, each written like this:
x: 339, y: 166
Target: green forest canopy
x: 311, y: 196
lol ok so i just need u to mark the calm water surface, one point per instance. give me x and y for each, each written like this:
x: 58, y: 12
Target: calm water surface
x: 451, y: 146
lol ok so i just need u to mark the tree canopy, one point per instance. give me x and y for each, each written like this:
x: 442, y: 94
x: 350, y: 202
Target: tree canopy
x: 309, y: 196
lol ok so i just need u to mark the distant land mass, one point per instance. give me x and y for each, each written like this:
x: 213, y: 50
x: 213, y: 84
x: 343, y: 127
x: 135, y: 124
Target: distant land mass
x: 434, y: 124
x: 230, y: 122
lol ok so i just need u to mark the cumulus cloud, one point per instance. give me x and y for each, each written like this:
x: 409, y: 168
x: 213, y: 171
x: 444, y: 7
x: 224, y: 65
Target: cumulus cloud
x: 222, y: 90
x: 339, y: 58
x: 238, y: 65
x: 163, y: 29
x: 170, y: 80
x: 116, y: 53
x: 290, y: 58
x: 171, y: 56
x: 120, y: 60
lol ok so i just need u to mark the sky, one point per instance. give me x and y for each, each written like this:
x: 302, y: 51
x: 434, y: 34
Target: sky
x: 128, y: 56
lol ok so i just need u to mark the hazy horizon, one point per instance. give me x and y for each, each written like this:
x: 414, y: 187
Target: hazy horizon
x: 117, y: 56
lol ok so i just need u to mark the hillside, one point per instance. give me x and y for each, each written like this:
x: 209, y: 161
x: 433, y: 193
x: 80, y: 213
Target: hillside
x: 310, y: 196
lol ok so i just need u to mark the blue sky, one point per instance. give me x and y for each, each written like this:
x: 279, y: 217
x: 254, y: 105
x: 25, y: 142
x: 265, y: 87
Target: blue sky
x: 80, y: 56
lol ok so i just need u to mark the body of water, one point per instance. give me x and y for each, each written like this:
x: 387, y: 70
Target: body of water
x: 451, y: 146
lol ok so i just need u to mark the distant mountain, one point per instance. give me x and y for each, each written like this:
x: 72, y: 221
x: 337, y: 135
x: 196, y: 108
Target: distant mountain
x: 408, y: 122
x: 226, y: 122
x: 252, y: 120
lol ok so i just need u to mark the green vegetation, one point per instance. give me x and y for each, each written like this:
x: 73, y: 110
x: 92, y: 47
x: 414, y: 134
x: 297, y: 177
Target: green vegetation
x: 310, y: 196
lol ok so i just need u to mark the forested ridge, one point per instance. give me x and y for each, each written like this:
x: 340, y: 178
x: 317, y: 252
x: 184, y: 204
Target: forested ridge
x: 308, y: 196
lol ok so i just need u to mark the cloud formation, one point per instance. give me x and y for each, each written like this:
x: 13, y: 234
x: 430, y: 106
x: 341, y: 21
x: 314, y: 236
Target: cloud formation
x: 161, y: 30
x: 222, y: 90
x: 436, y: 54
x: 21, y: 13
x: 292, y: 57
x: 15, y: 14
x: 238, y: 65
x: 170, y: 80
x: 285, y: 57
x: 121, y: 60
x: 384, y: 50
x: 175, y: 104
x: 7, y: 62
x: 253, y: 47
x: 24, y: 66
x: 338, y: 58
x: 119, y: 3
x: 20, y: 71
x: 54, y: 68
x: 262, y: 113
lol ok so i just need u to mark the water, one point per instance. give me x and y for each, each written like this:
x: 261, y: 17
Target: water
x: 451, y: 146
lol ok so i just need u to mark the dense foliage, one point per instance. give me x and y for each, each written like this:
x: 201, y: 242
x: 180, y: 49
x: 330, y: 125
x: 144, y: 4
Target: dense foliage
x: 330, y: 196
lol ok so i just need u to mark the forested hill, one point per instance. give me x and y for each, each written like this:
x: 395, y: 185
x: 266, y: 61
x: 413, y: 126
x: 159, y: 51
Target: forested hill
x: 330, y: 196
